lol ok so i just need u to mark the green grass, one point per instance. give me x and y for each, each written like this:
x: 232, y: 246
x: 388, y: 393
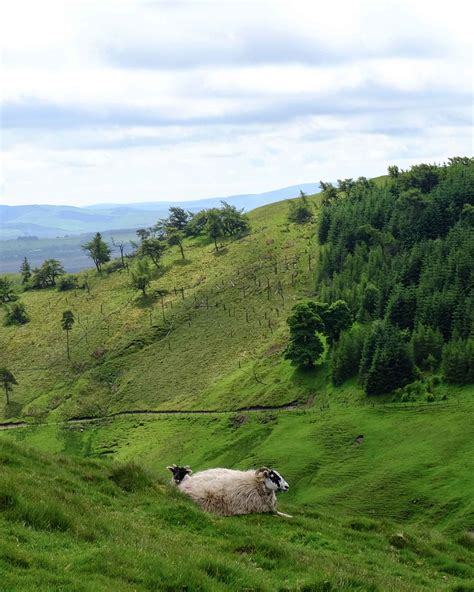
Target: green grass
x: 125, y: 356
x: 75, y: 524
x: 86, y: 506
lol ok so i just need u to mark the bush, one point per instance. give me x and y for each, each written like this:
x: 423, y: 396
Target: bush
x: 16, y: 315
x: 67, y: 282
x: 301, y: 211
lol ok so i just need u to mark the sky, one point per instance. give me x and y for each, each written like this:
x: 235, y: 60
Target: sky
x: 122, y: 101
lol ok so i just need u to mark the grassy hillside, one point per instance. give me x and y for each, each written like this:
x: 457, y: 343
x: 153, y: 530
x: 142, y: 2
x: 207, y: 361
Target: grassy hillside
x: 380, y: 491
x: 227, y: 322
x: 95, y: 526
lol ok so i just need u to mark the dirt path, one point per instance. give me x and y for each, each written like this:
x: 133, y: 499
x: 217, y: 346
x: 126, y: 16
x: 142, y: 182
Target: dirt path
x: 252, y: 409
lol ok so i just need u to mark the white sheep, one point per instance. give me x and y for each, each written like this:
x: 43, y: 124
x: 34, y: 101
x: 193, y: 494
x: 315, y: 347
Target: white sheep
x: 228, y: 492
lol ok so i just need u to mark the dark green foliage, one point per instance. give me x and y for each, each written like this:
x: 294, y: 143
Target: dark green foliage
x: 346, y: 354
x: 7, y: 380
x: 7, y: 293
x: 25, y: 271
x: 427, y: 346
x: 16, y: 314
x: 386, y: 363
x: 301, y: 210
x: 458, y: 362
x: 305, y: 346
x: 403, y: 252
x: 98, y: 251
x: 401, y: 307
x: 324, y: 225
x: 370, y: 304
x: 46, y: 275
x: 336, y: 318
x: 67, y: 282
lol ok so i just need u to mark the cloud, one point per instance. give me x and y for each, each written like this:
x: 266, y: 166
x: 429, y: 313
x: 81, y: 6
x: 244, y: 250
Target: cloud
x: 206, y: 98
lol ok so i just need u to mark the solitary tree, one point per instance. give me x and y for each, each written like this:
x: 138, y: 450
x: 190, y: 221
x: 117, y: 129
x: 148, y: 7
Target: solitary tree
x: 305, y: 346
x: 176, y: 237
x: 67, y: 322
x: 98, y: 250
x: 8, y: 380
x: 141, y: 276
x: 214, y: 226
x: 153, y: 248
x: 46, y: 275
x: 25, y: 271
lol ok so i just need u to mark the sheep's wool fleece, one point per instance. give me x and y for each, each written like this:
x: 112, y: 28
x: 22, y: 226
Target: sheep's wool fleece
x: 228, y: 492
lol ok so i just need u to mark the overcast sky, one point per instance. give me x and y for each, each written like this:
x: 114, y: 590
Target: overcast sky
x: 121, y: 101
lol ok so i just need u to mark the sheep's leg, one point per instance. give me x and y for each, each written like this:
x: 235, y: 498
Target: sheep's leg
x: 282, y: 514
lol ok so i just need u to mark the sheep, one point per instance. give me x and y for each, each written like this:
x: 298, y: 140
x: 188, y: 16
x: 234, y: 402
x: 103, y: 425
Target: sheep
x: 228, y: 492
x: 179, y: 473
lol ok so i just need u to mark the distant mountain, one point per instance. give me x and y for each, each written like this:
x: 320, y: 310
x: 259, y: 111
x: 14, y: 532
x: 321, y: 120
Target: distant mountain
x: 48, y: 221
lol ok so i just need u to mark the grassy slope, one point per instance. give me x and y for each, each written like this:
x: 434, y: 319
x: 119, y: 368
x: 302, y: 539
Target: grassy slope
x: 412, y: 474
x: 190, y: 360
x: 82, y: 530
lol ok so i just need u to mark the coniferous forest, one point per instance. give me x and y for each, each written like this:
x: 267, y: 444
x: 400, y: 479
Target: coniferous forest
x: 400, y: 254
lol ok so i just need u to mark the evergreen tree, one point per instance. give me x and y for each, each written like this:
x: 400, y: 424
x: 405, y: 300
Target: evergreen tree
x: 458, y: 362
x: 427, y: 347
x: 25, y: 271
x: 305, y: 346
x: 391, y: 365
x: 98, y: 251
x: 346, y: 355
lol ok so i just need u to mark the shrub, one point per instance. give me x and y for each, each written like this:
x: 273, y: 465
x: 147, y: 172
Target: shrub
x: 67, y: 282
x: 16, y: 314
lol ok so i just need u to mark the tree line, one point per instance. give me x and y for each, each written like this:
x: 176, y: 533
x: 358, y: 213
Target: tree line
x: 400, y: 254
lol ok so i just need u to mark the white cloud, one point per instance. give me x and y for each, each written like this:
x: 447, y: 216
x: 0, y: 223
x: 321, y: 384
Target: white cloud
x: 123, y: 100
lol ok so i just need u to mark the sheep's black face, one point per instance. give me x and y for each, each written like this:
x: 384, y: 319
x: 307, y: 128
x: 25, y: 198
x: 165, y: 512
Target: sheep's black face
x: 179, y: 473
x: 275, y: 482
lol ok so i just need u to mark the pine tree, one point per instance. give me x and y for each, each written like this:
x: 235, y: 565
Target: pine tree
x: 25, y: 271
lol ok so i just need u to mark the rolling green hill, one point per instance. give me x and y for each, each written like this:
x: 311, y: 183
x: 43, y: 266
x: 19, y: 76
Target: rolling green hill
x: 380, y: 490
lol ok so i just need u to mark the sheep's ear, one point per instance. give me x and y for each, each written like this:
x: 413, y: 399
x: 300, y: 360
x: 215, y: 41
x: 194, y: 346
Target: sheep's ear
x: 171, y: 468
x: 263, y: 472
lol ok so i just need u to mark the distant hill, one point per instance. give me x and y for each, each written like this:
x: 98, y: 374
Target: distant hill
x: 48, y: 221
